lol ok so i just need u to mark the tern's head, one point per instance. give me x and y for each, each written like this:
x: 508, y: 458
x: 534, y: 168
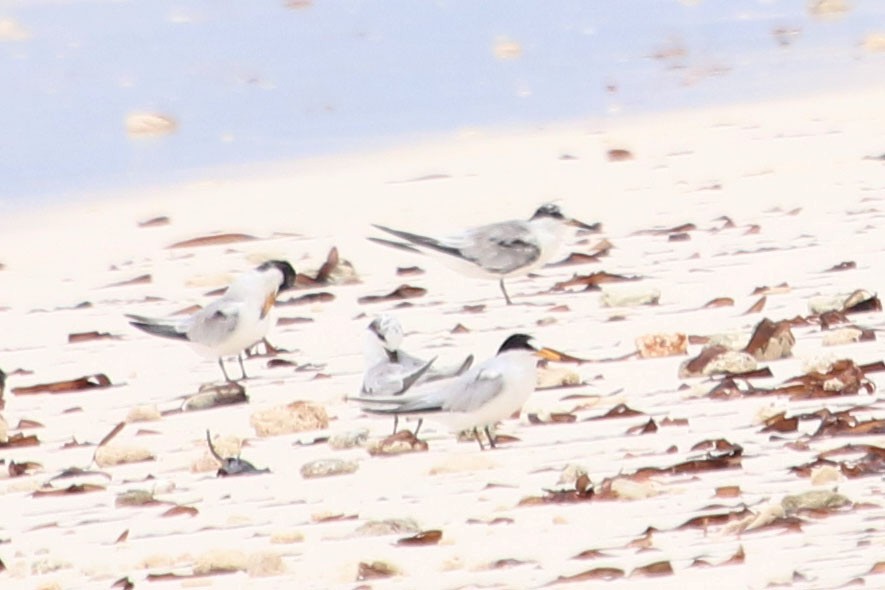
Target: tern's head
x: 550, y: 212
x: 287, y: 273
x: 525, y: 343
x: 388, y: 331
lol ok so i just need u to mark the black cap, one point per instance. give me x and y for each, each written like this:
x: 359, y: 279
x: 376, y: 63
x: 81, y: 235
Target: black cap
x: 517, y: 342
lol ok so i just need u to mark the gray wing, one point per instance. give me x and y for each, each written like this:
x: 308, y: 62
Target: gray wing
x: 215, y: 322
x: 500, y: 247
x: 475, y: 393
x: 392, y: 379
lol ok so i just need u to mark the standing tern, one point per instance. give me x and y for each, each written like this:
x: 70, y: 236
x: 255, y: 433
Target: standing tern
x: 233, y: 322
x: 498, y: 250
x: 488, y: 392
x: 391, y: 371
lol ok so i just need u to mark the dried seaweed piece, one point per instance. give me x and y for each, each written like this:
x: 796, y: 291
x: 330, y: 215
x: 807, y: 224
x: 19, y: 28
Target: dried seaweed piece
x: 619, y: 411
x: 832, y: 318
x: 771, y: 340
x: 401, y: 442
x: 90, y: 336
x: 553, y: 418
x: 398, y: 294
x: 719, y: 302
x: 780, y: 423
x: 139, y: 280
x: 845, y: 265
x: 678, y: 229
x: 71, y: 489
x: 214, y: 240
x: 758, y: 306
x: 23, y: 468
x: 857, y: 303
x: 575, y: 258
x: 659, y: 568
x: 97, y: 381
x: 619, y: 155
x: 212, y: 396
x: 582, y: 492
x: 179, y: 510
x: 155, y: 222
x: 776, y: 290
x: 308, y: 298
x: 598, y: 573
x: 431, y: 537
x: 649, y: 427
x: 293, y: 321
x: 409, y: 271
x: 593, y: 281
x: 20, y: 440
x: 718, y: 444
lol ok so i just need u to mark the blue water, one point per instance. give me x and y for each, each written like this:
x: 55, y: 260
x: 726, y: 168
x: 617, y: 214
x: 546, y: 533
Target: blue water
x: 253, y: 81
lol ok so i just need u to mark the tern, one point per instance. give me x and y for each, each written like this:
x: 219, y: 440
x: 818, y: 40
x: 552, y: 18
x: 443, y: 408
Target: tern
x: 233, y: 322
x: 480, y: 397
x: 391, y: 371
x: 498, y: 250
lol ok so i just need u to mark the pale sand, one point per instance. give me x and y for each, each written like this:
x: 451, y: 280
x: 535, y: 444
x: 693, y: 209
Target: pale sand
x: 753, y: 163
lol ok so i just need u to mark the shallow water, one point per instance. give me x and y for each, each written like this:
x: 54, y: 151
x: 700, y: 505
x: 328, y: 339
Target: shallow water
x: 259, y: 81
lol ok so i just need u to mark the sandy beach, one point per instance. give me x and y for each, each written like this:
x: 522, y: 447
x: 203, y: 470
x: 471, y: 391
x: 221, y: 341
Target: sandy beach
x: 725, y: 215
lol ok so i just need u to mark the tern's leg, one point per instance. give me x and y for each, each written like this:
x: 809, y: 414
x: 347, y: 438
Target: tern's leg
x: 242, y: 368
x: 395, y: 423
x: 221, y: 364
x: 504, y: 291
x: 491, y: 438
x: 417, y: 428
x: 478, y: 439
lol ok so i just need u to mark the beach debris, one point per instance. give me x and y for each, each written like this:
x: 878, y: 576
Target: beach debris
x: 213, y: 240
x: 599, y: 250
x: 139, y: 280
x: 717, y: 359
x: 297, y: 416
x: 144, y: 124
x: 155, y: 221
x: 180, y: 510
x: 388, y: 526
x: 506, y: 49
x: 431, y: 537
x: 409, y: 271
x: 333, y: 271
x: 290, y: 321
x: 213, y: 395
x: 658, y: 568
x: 23, y: 468
x: 402, y: 292
x: 843, y: 377
x: 771, y: 341
x: 660, y: 345
x: 861, y: 301
x: 592, y: 281
x: 865, y: 460
x: 96, y: 381
x: 149, y: 413
x: 232, y: 465
x: 844, y: 265
x: 124, y: 583
x: 90, y: 336
x: 224, y: 560
x: 350, y: 439
x: 847, y: 335
x: 308, y: 299
x: 718, y: 302
x: 110, y: 455
x: 550, y: 418
x: 553, y: 377
x: 629, y: 296
x: 619, y: 155
x: 72, y: 489
x: 597, y: 573
x: 374, y: 570
x: 328, y: 468
x: 135, y: 498
x: 758, y: 306
x: 399, y: 443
